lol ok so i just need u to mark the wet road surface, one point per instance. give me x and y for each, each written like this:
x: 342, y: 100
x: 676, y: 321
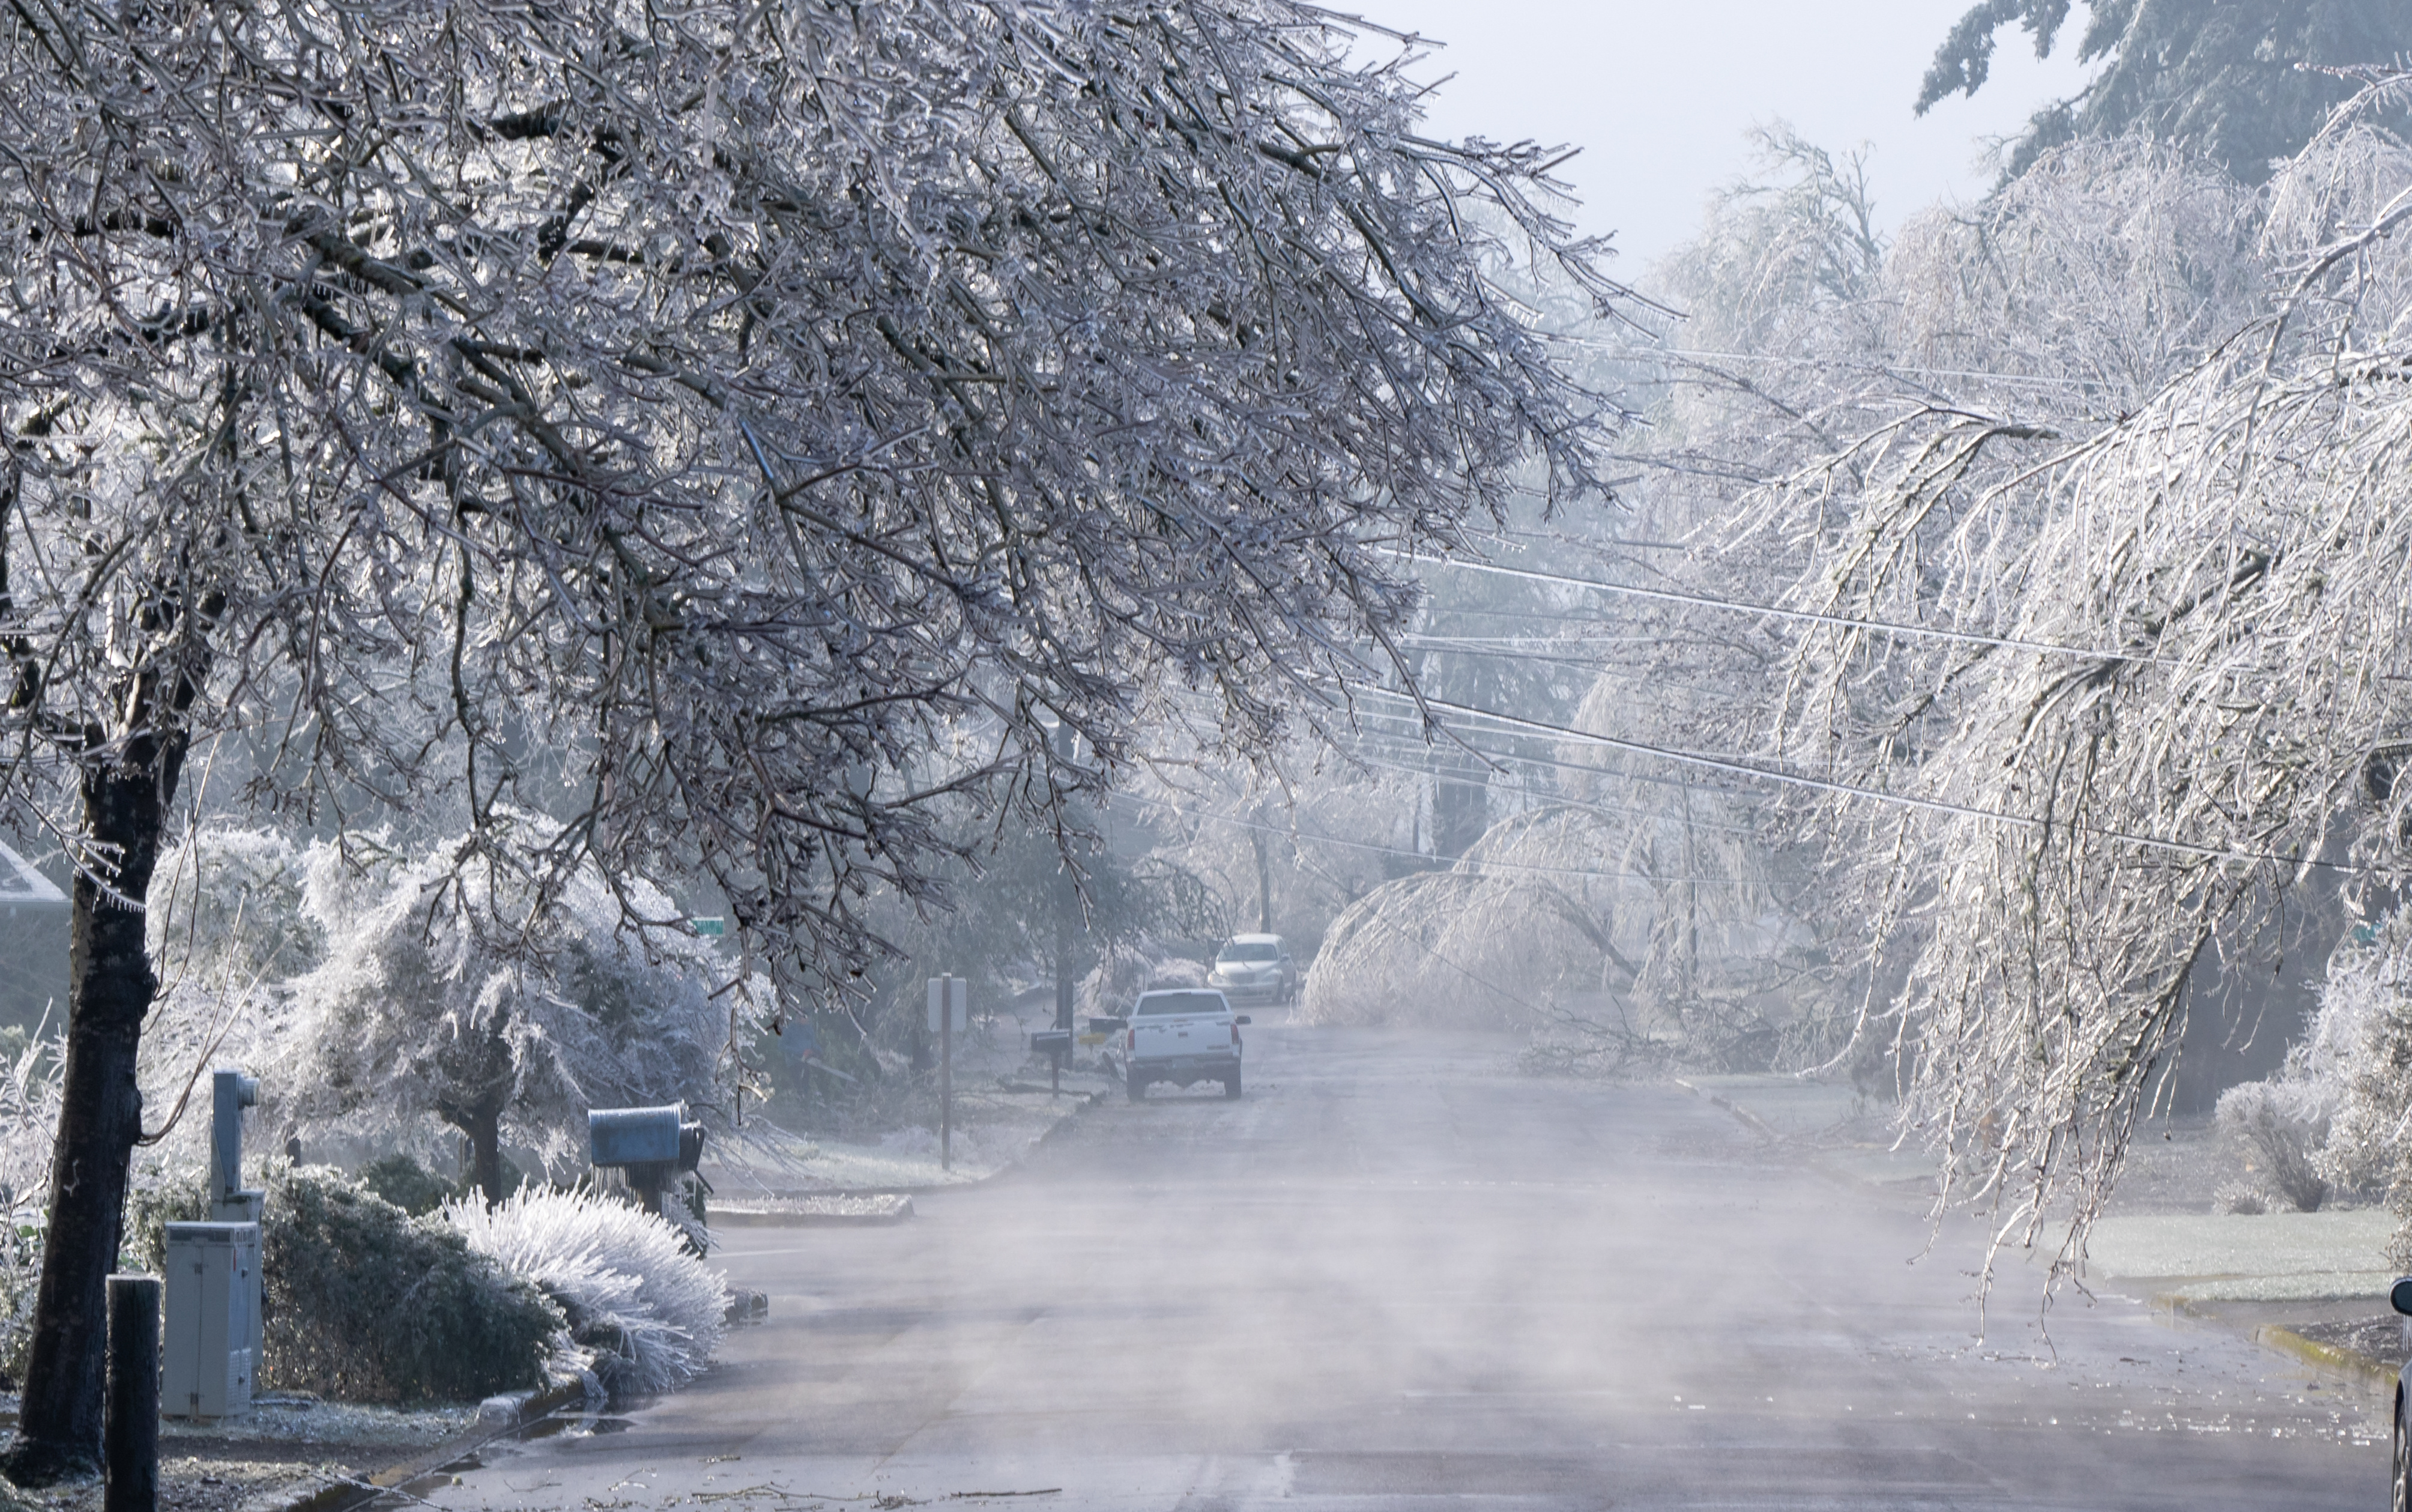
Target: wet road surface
x: 1402, y: 1274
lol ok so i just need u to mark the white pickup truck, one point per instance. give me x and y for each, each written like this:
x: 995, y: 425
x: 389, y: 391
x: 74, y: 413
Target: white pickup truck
x: 1185, y: 1035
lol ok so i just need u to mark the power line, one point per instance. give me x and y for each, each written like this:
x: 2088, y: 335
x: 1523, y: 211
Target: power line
x: 1889, y: 370
x: 1743, y: 769
x: 1704, y: 601
x: 1297, y: 834
x: 1536, y: 795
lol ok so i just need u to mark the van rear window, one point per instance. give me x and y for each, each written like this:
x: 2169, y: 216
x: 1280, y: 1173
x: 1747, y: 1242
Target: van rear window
x: 1153, y: 1003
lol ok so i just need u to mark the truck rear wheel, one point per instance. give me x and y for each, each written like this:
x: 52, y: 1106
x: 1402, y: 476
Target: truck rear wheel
x: 1138, y: 1088
x: 1232, y: 1084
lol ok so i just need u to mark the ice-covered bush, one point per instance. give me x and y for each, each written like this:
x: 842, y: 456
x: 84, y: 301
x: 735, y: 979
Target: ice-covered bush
x: 408, y: 1184
x: 2284, y: 1121
x: 2338, y: 1115
x: 31, y: 1068
x: 1124, y: 973
x: 2366, y: 1013
x: 651, y: 1313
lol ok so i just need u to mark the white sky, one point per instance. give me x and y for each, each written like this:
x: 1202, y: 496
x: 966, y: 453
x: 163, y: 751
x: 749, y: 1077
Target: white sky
x: 1659, y: 96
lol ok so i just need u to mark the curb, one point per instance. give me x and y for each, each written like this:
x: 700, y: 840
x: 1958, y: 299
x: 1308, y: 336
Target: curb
x: 498, y: 1417
x: 1083, y: 1102
x: 2335, y: 1359
x: 894, y: 1211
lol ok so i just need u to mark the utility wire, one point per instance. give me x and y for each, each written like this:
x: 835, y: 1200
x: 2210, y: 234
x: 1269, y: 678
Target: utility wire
x: 1740, y: 768
x: 1704, y: 601
x: 1439, y: 869
x: 1559, y: 800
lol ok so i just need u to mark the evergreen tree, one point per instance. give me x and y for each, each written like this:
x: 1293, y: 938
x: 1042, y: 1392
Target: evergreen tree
x: 2247, y: 83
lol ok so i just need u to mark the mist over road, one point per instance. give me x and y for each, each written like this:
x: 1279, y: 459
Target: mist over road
x: 1401, y: 1273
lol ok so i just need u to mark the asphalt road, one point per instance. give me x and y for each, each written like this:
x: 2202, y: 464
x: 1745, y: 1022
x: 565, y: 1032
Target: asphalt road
x: 1401, y: 1274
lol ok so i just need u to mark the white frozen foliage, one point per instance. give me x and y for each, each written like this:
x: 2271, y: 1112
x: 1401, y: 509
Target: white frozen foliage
x: 649, y: 1312
x: 423, y: 1004
x: 2101, y: 495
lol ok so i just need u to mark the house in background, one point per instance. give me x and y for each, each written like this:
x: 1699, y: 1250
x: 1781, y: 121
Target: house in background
x: 33, y: 917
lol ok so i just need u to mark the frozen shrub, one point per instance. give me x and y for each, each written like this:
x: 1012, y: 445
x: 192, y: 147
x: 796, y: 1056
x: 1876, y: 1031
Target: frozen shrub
x: 2283, y: 1123
x: 367, y: 1303
x: 1124, y: 973
x: 408, y: 1184
x: 649, y: 1312
x: 2242, y: 1197
x: 2366, y: 1007
x: 362, y: 1302
x: 31, y: 1067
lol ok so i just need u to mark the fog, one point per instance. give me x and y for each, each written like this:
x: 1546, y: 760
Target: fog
x: 1829, y: 793
x: 1404, y: 1272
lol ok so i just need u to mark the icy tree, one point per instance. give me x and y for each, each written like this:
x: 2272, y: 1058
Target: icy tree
x: 500, y: 1001
x: 229, y: 930
x: 727, y: 429
x: 2145, y: 687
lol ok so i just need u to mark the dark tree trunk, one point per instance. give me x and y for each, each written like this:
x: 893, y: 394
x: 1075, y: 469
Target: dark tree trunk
x: 481, y: 1124
x: 486, y: 1150
x: 100, y: 1116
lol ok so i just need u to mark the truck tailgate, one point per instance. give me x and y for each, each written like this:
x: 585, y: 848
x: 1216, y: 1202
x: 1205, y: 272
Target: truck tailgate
x: 1163, y: 1038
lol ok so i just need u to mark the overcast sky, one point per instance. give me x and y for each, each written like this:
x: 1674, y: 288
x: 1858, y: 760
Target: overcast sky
x: 1659, y: 95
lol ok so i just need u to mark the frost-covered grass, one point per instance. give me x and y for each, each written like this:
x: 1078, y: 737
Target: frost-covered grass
x: 993, y: 1128
x: 651, y: 1313
x: 2273, y: 1256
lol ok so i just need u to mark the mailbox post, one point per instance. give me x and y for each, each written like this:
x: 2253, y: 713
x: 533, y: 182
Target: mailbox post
x: 652, y: 1146
x: 1055, y: 1044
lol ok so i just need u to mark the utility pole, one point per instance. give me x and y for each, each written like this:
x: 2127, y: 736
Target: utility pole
x: 949, y: 1013
x: 1068, y: 909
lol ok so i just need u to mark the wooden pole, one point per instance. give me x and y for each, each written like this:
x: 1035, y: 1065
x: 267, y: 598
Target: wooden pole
x: 130, y: 1434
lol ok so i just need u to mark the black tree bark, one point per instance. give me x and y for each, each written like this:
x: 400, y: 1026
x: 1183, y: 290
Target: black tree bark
x: 101, y: 1117
x: 480, y: 1118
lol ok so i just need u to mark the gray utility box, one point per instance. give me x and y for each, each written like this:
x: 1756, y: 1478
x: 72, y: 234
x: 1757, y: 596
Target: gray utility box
x: 213, y: 1336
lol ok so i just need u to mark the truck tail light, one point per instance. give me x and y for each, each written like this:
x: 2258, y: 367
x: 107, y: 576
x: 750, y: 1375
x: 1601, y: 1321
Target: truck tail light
x: 1130, y: 1038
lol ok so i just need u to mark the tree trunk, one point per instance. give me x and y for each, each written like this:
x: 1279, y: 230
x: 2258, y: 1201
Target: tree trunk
x: 101, y: 1117
x: 481, y: 1124
x: 486, y: 1146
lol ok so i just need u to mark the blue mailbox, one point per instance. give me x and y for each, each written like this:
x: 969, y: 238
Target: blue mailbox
x: 633, y: 1135
x: 654, y: 1146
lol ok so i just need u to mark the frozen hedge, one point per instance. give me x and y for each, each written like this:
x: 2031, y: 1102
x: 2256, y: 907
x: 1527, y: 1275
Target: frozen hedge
x: 649, y: 1313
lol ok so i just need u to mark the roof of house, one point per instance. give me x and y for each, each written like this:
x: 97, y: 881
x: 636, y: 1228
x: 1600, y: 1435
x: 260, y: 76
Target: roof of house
x: 21, y: 884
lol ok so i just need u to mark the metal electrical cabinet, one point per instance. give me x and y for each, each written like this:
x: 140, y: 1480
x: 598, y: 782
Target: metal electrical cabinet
x: 213, y: 1336
x: 211, y: 1346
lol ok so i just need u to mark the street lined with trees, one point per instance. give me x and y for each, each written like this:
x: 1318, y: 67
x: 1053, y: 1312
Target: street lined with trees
x: 495, y: 495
